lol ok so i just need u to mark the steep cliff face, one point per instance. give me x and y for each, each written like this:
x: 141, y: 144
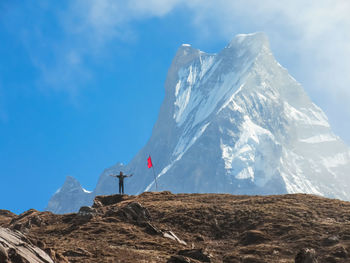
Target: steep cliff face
x: 237, y: 122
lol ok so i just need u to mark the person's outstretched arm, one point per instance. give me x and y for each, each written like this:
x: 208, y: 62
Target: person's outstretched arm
x: 129, y: 175
x: 113, y: 175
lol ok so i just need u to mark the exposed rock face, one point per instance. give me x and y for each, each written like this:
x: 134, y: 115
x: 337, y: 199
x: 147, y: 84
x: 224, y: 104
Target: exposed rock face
x: 198, y: 254
x: 253, y: 237
x: 306, y: 255
x: 26, y: 220
x: 192, y: 228
x: 16, y: 248
x: 5, y: 216
x: 134, y: 212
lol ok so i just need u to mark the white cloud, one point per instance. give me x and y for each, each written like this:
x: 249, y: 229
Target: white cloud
x: 87, y: 26
x: 311, y: 38
x: 317, y: 33
x: 106, y: 19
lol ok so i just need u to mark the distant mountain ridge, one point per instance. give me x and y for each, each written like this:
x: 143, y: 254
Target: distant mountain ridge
x: 232, y: 122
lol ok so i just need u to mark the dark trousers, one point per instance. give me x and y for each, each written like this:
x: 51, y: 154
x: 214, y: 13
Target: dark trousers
x: 121, y: 188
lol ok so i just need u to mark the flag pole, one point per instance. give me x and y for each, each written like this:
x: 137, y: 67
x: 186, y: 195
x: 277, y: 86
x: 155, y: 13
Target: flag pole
x: 155, y: 178
x: 154, y: 174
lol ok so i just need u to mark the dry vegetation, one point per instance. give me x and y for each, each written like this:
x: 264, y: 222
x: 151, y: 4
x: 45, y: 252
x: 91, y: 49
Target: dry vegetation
x: 209, y: 227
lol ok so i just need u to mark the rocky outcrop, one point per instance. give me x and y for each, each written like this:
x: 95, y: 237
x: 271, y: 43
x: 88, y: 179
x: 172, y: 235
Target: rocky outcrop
x: 252, y: 237
x: 16, y: 248
x: 6, y: 216
x: 26, y: 220
x: 134, y: 212
x: 197, y: 254
x: 306, y: 255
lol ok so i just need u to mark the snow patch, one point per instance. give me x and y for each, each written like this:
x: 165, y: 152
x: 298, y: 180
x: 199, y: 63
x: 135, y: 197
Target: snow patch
x: 309, y: 117
x: 188, y: 93
x: 86, y: 191
x: 320, y: 138
x: 336, y: 160
x: 247, y: 157
x: 187, y: 141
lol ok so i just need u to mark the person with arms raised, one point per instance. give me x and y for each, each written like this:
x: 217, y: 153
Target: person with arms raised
x: 121, y: 177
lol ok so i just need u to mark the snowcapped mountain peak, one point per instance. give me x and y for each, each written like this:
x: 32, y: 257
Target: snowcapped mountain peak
x: 187, y: 50
x: 70, y: 197
x: 71, y: 184
x: 237, y: 122
x: 196, y: 94
x: 255, y: 42
x: 184, y: 55
x: 233, y: 122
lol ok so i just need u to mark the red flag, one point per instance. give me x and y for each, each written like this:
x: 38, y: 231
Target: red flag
x: 149, y: 162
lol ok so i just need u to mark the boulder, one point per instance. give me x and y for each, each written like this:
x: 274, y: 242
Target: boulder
x: 87, y: 212
x: 253, y: 237
x: 306, y: 255
x: 198, y: 254
x: 134, y: 212
x: 181, y: 259
x: 3, y: 254
x: 26, y: 221
x: 340, y: 252
x: 152, y: 230
x: 330, y: 241
x: 105, y: 200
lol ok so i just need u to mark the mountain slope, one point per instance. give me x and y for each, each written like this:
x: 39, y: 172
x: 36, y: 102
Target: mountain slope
x: 208, y: 228
x: 70, y: 197
x: 237, y: 122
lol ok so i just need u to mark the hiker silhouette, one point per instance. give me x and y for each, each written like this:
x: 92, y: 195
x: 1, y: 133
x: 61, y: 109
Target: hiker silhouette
x: 121, y: 177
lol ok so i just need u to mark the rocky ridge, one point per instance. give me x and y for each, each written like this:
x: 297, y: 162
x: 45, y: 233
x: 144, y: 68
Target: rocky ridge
x: 166, y: 227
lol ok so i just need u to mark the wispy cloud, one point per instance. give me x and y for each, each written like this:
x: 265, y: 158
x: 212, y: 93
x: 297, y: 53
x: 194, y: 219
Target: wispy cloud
x: 81, y: 29
x: 317, y: 32
x: 103, y: 20
x: 312, y: 36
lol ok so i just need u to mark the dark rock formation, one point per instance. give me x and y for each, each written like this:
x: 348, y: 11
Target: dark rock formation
x: 306, y: 255
x: 198, y: 254
x: 253, y: 237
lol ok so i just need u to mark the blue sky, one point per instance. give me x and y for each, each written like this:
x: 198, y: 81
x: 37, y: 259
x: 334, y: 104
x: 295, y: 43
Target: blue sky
x: 81, y: 81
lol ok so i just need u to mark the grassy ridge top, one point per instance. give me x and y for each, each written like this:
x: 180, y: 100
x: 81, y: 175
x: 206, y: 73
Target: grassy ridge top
x: 159, y: 227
